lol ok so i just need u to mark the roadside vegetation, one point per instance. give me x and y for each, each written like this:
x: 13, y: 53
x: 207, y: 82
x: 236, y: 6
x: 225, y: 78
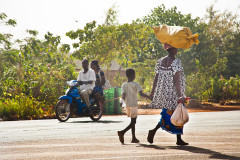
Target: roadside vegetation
x: 34, y: 74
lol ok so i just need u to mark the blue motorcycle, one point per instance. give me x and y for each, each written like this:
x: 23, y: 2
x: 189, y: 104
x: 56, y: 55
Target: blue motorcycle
x: 71, y: 105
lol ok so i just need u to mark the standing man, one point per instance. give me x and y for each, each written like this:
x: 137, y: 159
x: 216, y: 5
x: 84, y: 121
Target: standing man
x: 86, y: 79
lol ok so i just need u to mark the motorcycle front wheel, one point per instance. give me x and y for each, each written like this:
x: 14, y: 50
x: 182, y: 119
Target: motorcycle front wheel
x: 62, y: 110
x: 97, y: 111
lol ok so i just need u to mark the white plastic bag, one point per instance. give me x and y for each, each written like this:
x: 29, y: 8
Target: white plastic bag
x: 122, y: 102
x: 107, y: 84
x: 180, y: 115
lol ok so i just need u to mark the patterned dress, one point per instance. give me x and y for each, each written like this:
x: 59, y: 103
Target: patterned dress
x: 165, y: 95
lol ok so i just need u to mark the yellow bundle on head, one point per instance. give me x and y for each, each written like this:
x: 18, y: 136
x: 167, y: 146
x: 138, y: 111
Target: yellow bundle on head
x: 178, y: 37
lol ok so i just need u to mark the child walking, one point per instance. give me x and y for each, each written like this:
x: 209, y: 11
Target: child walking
x: 130, y: 90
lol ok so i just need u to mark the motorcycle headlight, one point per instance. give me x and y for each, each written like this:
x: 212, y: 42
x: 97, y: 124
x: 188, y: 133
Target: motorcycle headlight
x: 72, y: 83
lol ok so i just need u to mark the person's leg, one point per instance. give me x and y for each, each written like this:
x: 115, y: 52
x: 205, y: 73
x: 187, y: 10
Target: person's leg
x: 133, y: 115
x: 122, y: 132
x: 99, y: 99
x: 180, y: 141
x: 132, y: 123
x: 157, y: 127
x: 152, y: 132
x: 85, y: 97
x: 134, y: 139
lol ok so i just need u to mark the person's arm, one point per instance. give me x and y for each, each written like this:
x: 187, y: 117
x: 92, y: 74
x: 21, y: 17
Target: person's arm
x: 85, y: 82
x: 144, y: 95
x: 176, y: 79
x: 102, y: 82
x: 139, y: 89
x: 88, y: 82
x: 124, y: 96
x: 79, y: 79
x: 80, y: 82
x: 154, y: 86
x: 102, y: 79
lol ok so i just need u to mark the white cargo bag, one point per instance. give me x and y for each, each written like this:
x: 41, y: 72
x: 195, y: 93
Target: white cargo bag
x: 180, y: 115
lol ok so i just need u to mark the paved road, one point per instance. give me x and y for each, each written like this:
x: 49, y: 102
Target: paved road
x: 212, y: 135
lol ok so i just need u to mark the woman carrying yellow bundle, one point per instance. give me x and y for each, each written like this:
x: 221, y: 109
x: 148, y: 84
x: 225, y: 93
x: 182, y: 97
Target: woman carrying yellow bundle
x: 169, y: 82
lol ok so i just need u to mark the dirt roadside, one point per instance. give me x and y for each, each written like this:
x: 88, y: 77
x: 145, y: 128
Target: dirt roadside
x: 204, y: 108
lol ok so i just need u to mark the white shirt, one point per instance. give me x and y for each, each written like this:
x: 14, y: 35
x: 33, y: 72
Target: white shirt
x: 88, y: 76
x: 131, y: 89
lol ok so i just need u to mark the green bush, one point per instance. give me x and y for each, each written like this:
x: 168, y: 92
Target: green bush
x: 22, y: 107
x: 222, y: 89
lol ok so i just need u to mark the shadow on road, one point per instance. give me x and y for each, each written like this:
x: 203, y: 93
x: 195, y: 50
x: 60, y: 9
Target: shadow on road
x: 152, y: 146
x: 107, y: 121
x: 213, y: 154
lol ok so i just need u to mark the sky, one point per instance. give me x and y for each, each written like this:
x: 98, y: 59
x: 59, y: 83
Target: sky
x: 61, y: 16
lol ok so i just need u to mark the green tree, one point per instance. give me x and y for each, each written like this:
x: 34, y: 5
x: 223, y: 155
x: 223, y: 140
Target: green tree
x: 126, y: 43
x: 8, y: 56
x: 217, y: 52
x: 31, y: 85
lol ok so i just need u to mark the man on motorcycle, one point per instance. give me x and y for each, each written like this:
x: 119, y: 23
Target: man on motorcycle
x: 86, y: 79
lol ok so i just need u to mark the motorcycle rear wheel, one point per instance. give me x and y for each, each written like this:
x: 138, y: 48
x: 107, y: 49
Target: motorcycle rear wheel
x: 62, y: 110
x: 97, y: 112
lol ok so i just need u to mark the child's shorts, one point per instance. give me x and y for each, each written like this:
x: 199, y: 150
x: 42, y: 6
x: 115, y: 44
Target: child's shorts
x: 132, y: 112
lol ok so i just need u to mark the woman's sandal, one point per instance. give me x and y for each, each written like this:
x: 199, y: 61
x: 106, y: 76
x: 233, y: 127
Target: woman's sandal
x: 181, y: 143
x: 121, y: 136
x: 150, y: 137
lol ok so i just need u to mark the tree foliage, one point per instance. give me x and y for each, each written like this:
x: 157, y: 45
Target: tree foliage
x: 217, y: 52
x: 34, y: 76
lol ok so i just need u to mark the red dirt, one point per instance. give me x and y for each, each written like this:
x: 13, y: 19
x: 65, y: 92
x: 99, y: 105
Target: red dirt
x: 205, y: 108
